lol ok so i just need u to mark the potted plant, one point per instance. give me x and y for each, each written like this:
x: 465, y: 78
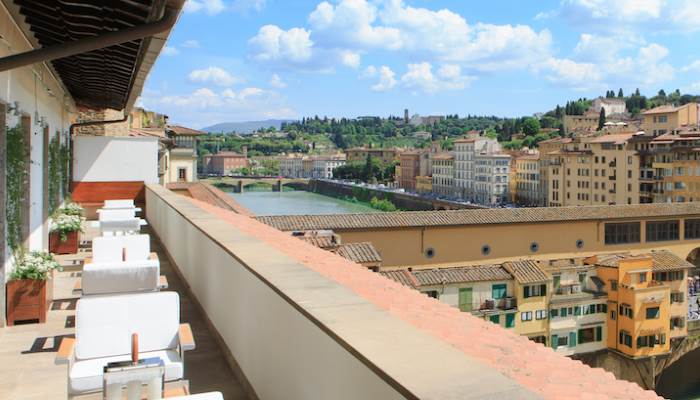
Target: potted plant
x: 26, y: 289
x: 63, y: 238
x: 71, y: 209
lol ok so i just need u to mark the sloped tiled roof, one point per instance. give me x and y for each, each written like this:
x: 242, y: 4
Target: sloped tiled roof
x: 362, y: 252
x: 403, y: 277
x: 663, y: 260
x: 525, y: 271
x: 477, y: 217
x: 181, y: 130
x: 325, y: 242
x: 477, y: 273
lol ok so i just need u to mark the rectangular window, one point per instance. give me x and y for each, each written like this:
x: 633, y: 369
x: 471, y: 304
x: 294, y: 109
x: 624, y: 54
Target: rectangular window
x: 642, y: 277
x: 677, y: 322
x: 541, y: 314
x: 465, y: 299
x: 653, y: 313
x: 586, y: 335
x: 613, y: 285
x: 577, y: 310
x: 598, y: 333
x: 692, y: 228
x: 563, y: 312
x: 553, y: 313
x: 662, y: 230
x: 626, y: 310
x: 562, y: 341
x: 431, y: 293
x: 498, y: 291
x: 534, y: 290
x: 618, y: 233
x: 676, y: 297
x: 526, y: 316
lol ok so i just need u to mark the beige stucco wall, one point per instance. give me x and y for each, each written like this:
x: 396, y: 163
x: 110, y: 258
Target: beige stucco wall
x: 401, y: 247
x: 177, y: 162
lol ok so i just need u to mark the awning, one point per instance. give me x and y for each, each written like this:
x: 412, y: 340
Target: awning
x: 109, y: 77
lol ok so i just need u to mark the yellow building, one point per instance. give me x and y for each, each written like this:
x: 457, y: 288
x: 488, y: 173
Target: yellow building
x: 486, y: 291
x: 669, y: 166
x: 531, y: 295
x: 424, y: 184
x: 667, y: 118
x: 443, y: 174
x: 587, y: 122
x: 641, y: 290
x: 594, y: 170
x: 525, y: 180
x: 360, y: 154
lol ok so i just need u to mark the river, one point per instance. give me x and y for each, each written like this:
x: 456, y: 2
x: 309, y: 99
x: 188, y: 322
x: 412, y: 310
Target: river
x: 296, y: 203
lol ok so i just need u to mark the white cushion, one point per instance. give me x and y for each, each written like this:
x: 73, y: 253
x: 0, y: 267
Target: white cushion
x: 86, y: 375
x: 116, y: 214
x: 138, y: 247
x: 200, y: 396
x: 104, y: 324
x: 119, y: 204
x: 112, y: 248
x: 120, y: 277
x: 128, y: 225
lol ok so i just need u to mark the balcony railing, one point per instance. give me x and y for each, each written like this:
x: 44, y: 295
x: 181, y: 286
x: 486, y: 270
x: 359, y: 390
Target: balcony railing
x: 506, y: 303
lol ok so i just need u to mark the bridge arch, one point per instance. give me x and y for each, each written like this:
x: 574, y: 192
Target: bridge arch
x: 677, y: 375
x: 694, y: 257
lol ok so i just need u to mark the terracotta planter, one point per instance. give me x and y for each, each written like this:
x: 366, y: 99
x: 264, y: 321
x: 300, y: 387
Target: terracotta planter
x: 26, y: 300
x: 68, y: 246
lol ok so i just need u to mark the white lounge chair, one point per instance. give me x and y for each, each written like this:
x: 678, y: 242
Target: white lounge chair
x: 121, y: 264
x: 116, y: 214
x: 119, y: 204
x: 200, y: 396
x: 120, y: 227
x: 103, y: 329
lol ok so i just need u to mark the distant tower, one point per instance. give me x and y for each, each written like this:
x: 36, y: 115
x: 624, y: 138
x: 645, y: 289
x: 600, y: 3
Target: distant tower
x: 405, y: 115
x: 244, y: 150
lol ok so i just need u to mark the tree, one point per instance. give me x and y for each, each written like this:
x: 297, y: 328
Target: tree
x: 530, y: 126
x: 662, y: 94
x: 557, y: 112
x: 601, y: 119
x: 620, y: 94
x: 636, y: 92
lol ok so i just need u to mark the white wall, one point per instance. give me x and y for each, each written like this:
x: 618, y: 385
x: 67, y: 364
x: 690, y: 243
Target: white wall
x: 39, y: 95
x: 115, y: 159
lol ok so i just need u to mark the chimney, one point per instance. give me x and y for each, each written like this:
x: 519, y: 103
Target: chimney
x: 244, y: 150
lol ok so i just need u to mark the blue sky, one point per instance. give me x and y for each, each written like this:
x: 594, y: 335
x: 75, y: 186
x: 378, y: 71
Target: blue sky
x: 242, y: 60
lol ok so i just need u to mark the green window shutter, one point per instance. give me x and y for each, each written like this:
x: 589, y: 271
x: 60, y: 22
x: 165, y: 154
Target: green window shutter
x: 496, y: 319
x: 577, y: 310
x: 580, y: 335
x: 605, y: 308
x: 498, y: 291
x: 526, y: 291
x: 598, y: 333
x: 572, y: 339
x: 510, y: 320
x: 543, y: 290
x: 563, y: 312
x: 555, y: 340
x: 591, y: 309
x: 553, y: 313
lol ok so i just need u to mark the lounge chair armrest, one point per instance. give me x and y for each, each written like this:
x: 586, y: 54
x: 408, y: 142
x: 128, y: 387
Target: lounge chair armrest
x: 65, y: 351
x: 153, y: 256
x: 185, y: 337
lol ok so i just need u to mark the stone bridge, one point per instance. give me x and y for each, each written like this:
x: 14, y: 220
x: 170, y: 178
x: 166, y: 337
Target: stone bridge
x: 239, y: 183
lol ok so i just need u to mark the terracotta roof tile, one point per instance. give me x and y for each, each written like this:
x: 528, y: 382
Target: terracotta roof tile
x: 476, y: 273
x: 526, y: 271
x: 181, y: 130
x: 477, y: 217
x: 362, y: 252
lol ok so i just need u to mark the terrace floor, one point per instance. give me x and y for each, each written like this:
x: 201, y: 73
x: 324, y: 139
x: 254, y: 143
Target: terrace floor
x: 27, y: 352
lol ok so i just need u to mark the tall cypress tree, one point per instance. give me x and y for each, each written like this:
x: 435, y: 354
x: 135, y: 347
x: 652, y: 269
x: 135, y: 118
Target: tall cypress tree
x: 620, y: 94
x: 601, y: 119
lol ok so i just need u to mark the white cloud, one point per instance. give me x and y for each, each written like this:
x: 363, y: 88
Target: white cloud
x: 629, y: 15
x: 595, y: 47
x: 566, y: 72
x: 190, y: 44
x: 694, y: 66
x: 211, y: 7
x: 420, y: 77
x: 214, y: 75
x: 277, y: 82
x: 275, y: 44
x: 692, y: 88
x: 342, y: 31
x: 646, y: 68
x: 350, y: 59
x: 170, y: 51
x: 386, y: 78
x: 205, y: 106
x: 246, y: 6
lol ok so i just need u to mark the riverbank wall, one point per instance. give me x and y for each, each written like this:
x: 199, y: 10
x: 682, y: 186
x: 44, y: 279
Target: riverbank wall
x: 402, y: 201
